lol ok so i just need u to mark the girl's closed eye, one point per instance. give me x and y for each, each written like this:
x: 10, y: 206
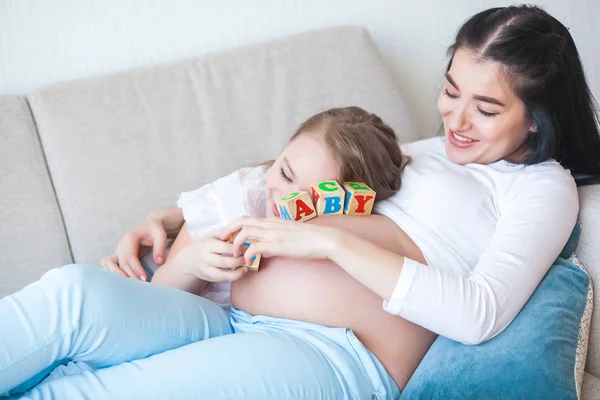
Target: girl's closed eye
x: 452, y: 96
x: 284, y: 176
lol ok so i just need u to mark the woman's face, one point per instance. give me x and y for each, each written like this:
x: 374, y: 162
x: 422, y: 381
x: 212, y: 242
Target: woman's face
x: 305, y: 160
x: 484, y: 121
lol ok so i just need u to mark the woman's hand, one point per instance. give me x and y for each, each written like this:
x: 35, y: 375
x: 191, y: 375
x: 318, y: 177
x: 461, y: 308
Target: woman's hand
x: 208, y: 259
x: 277, y: 237
x: 152, y: 232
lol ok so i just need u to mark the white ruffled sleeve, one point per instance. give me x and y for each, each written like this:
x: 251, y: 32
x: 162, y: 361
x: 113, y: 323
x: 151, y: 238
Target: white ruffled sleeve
x: 216, y: 204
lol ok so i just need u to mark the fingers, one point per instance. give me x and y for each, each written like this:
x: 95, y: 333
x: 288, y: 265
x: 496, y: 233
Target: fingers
x: 159, y: 238
x: 219, y: 261
x: 136, y: 266
x: 265, y: 249
x: 219, y: 246
x: 110, y: 263
x: 238, y: 224
x: 221, y: 255
x: 127, y: 253
x: 223, y: 275
x: 249, y: 234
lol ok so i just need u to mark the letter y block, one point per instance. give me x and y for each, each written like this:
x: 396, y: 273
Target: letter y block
x: 359, y: 199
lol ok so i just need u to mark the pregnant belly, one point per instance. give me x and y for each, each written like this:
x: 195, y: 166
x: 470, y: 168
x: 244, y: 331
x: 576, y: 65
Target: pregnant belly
x: 320, y: 292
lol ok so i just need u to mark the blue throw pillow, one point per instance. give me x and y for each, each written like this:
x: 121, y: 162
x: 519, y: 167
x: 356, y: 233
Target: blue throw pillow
x: 572, y: 243
x: 533, y: 358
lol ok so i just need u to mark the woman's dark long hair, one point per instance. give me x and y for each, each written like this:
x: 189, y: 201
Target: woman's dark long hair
x: 542, y: 65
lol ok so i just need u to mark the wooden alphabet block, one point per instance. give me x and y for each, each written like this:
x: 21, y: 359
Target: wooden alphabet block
x: 328, y: 197
x: 359, y: 199
x: 296, y: 206
x: 255, y: 260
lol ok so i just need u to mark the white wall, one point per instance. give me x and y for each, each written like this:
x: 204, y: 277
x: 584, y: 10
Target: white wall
x: 48, y: 41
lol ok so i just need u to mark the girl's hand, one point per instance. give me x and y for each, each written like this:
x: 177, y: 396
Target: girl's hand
x: 209, y: 259
x: 277, y: 237
x: 149, y: 232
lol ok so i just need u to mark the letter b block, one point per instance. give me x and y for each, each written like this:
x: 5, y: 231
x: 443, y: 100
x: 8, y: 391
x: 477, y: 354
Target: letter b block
x: 328, y: 197
x: 296, y: 206
x: 359, y: 199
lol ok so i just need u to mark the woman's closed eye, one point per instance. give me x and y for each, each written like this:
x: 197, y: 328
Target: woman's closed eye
x: 484, y: 113
x: 284, y: 176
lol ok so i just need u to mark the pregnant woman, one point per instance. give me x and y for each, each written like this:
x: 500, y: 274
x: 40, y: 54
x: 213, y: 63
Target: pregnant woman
x: 457, y: 251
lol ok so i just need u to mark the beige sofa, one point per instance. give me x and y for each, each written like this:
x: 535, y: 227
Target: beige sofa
x: 80, y: 162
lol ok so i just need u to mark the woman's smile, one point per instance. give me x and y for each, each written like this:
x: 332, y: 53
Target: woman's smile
x: 460, y: 141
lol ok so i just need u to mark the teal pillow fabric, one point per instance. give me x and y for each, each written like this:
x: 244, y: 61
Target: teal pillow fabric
x: 572, y: 243
x: 534, y: 357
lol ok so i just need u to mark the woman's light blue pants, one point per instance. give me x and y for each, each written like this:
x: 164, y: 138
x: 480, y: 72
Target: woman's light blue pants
x: 83, y: 333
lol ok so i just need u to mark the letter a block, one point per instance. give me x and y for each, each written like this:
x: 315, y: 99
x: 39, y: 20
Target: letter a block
x: 328, y: 198
x: 296, y: 206
x: 359, y: 199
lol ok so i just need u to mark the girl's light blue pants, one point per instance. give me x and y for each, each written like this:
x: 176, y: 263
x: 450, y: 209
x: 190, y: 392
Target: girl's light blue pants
x: 81, y: 332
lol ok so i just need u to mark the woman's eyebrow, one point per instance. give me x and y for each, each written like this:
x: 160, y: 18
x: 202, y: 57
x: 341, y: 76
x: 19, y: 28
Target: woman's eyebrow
x: 287, y: 163
x: 489, y: 100
x: 486, y: 99
x: 449, y: 78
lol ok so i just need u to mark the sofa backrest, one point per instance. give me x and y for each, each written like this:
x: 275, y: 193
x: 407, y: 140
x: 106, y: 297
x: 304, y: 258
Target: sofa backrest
x: 588, y: 252
x: 32, y: 234
x: 120, y: 146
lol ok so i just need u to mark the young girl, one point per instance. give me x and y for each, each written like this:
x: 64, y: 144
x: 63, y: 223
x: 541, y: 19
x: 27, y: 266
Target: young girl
x: 93, y: 319
x: 346, y: 144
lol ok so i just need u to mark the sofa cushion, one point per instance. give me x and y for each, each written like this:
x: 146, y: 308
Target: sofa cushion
x: 123, y: 145
x: 590, y: 390
x: 32, y: 235
x: 588, y: 252
x: 539, y: 355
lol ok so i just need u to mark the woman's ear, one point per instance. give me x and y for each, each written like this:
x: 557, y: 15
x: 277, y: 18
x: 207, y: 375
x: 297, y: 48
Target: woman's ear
x: 533, y: 127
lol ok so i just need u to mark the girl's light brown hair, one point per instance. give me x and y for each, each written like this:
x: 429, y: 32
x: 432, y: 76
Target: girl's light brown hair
x: 365, y: 147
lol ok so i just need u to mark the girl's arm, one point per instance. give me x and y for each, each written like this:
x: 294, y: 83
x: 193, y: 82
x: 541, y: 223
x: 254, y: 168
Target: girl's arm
x: 205, y: 210
x: 171, y: 273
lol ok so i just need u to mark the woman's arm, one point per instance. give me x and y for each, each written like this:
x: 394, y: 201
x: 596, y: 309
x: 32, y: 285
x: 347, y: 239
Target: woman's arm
x: 534, y: 226
x: 172, y: 274
x: 535, y: 223
x: 171, y: 219
x: 375, y: 266
x: 151, y: 232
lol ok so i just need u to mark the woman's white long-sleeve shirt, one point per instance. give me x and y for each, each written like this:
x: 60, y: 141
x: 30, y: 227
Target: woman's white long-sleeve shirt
x: 489, y: 234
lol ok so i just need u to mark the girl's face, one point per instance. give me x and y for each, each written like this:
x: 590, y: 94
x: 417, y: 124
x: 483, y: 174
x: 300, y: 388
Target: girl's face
x: 305, y: 160
x: 484, y: 121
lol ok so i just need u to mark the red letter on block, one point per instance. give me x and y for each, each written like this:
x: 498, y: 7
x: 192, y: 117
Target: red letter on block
x: 362, y: 200
x: 302, y: 208
x: 315, y: 195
